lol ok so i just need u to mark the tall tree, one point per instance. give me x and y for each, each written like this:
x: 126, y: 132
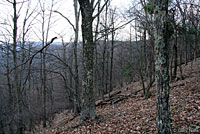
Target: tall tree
x: 16, y: 76
x: 88, y: 110
x: 112, y: 49
x: 161, y: 66
x: 76, y: 30
x: 44, y: 35
x: 76, y: 94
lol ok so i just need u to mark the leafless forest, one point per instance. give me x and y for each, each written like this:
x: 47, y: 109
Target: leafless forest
x: 42, y: 74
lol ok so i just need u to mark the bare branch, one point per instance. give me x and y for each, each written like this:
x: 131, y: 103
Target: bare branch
x: 99, y: 12
x: 110, y: 30
x: 65, y: 64
x: 31, y: 59
x: 66, y: 19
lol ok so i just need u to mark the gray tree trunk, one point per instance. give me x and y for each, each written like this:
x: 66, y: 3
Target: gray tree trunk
x: 77, y: 91
x: 112, y: 53
x: 43, y: 74
x: 161, y: 67
x: 88, y: 109
x: 16, y: 70
x: 175, y: 56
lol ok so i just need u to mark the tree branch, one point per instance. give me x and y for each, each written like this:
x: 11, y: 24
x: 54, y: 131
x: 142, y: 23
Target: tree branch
x: 66, y: 19
x: 115, y: 29
x: 100, y: 9
x: 31, y: 59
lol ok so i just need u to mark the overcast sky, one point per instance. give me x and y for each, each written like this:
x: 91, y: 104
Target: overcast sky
x: 59, y: 24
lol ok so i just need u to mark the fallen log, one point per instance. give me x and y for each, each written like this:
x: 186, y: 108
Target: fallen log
x: 113, y: 93
x: 119, y: 99
x: 115, y: 97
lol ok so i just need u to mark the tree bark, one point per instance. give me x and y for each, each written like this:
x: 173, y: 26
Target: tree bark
x: 77, y: 91
x: 112, y: 54
x: 161, y: 67
x: 88, y: 110
x: 175, y: 56
x: 17, y: 84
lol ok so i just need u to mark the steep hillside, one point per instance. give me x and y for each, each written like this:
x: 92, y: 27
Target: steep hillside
x: 136, y: 115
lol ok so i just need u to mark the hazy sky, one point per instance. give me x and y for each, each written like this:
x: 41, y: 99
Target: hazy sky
x: 59, y: 25
x: 120, y: 4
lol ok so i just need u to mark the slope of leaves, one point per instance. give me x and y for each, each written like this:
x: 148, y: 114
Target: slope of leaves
x: 137, y: 115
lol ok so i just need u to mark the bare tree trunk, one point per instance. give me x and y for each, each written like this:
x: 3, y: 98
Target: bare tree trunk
x: 171, y: 58
x: 8, y: 76
x: 69, y: 93
x: 43, y: 75
x: 44, y: 68
x: 88, y: 110
x: 107, y: 71
x: 180, y: 62
x: 106, y: 49
x: 121, y: 79
x: 10, y: 86
x: 144, y: 51
x: 175, y: 56
x: 150, y: 70
x: 142, y: 63
x: 77, y: 107
x: 103, y: 71
x: 17, y: 84
x: 185, y: 49
x: 43, y: 72
x: 112, y: 53
x: 196, y: 46
x: 161, y: 65
x: 96, y: 72
x: 70, y: 62
x: 184, y: 31
x: 44, y: 88
x: 142, y: 80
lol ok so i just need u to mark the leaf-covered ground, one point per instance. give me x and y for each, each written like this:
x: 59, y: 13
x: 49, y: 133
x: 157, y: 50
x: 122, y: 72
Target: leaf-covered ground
x: 137, y: 115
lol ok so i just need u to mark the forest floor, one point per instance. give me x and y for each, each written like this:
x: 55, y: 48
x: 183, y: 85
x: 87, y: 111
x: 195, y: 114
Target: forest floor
x: 136, y: 115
